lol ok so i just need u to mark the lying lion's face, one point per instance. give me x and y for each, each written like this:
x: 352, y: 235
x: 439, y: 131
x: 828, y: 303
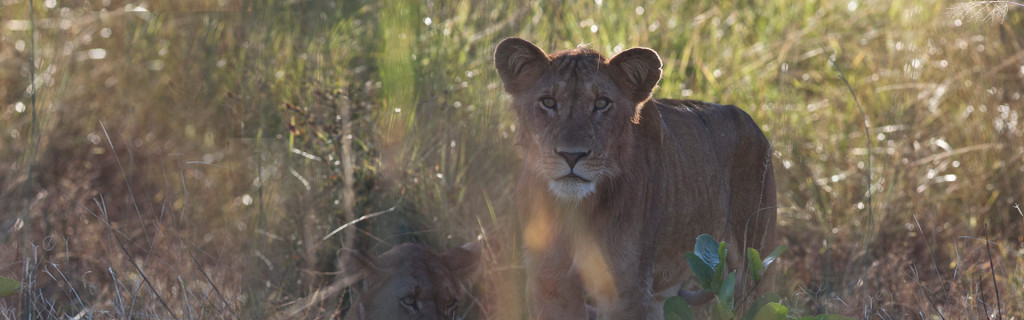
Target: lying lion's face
x: 409, y: 282
x: 579, y: 112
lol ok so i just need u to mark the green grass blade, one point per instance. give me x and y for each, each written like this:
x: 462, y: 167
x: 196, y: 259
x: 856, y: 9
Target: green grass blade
x: 771, y: 257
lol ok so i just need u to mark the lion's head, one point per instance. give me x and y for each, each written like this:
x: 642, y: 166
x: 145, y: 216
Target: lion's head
x: 409, y: 281
x: 580, y: 113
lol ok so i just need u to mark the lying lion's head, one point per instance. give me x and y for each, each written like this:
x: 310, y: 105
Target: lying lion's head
x: 409, y: 281
x: 580, y: 113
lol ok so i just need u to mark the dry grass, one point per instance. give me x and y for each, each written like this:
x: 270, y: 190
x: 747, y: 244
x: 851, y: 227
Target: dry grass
x: 166, y: 176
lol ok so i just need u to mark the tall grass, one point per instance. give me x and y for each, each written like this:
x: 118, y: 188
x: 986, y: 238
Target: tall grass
x: 190, y: 156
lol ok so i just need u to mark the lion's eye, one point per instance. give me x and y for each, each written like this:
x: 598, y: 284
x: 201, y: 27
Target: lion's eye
x: 450, y: 310
x: 601, y: 104
x: 409, y: 301
x: 548, y: 103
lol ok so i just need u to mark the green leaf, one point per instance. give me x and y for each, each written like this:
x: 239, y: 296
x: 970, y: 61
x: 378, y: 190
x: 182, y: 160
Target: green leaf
x: 723, y: 252
x: 754, y: 264
x: 722, y: 312
x: 676, y: 308
x: 759, y: 303
x: 726, y: 292
x: 717, y: 278
x: 700, y: 269
x: 771, y: 257
x: 706, y: 248
x: 826, y: 317
x: 716, y: 281
x: 9, y: 287
x: 772, y: 311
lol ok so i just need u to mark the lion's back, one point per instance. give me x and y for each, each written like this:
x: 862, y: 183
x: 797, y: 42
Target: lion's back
x: 728, y: 127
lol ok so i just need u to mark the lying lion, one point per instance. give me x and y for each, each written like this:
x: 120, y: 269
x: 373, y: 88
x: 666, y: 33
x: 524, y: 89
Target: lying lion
x: 615, y: 186
x: 409, y: 281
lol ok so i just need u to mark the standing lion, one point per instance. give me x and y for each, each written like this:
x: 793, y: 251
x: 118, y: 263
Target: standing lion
x: 616, y: 186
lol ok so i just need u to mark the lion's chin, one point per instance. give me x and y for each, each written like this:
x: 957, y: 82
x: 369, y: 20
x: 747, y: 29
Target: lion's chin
x: 571, y: 188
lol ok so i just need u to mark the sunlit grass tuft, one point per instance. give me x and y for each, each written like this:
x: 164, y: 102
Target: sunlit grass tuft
x: 983, y: 11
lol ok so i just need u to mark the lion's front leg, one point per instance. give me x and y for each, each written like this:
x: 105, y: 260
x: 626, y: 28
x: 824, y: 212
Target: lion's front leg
x: 631, y: 272
x: 633, y: 301
x: 554, y: 287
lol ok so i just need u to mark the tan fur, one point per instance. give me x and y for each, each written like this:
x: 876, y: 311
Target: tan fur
x: 408, y: 282
x: 654, y: 174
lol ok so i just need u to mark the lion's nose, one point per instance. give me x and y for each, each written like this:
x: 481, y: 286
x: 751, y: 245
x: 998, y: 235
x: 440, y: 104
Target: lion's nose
x: 572, y: 158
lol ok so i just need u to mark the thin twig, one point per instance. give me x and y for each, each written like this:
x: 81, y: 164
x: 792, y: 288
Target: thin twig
x: 867, y: 141
x: 70, y: 286
x: 928, y: 245
x: 33, y: 149
x: 984, y: 304
x: 348, y: 194
x: 128, y: 184
x: 215, y: 290
x: 321, y: 294
x: 117, y: 290
x: 346, y: 225
x: 144, y: 278
x: 992, y: 268
x: 131, y: 259
x: 924, y: 291
x: 184, y: 294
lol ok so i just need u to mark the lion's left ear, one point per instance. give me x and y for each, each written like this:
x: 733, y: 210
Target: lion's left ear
x: 520, y: 63
x: 462, y: 261
x: 356, y: 265
x: 636, y: 71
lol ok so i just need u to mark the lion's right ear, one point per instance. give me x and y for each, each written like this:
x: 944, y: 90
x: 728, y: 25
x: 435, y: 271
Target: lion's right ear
x: 356, y: 265
x: 637, y: 71
x: 519, y: 63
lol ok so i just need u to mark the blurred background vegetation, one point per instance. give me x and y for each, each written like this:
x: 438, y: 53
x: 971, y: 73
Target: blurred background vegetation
x: 187, y: 159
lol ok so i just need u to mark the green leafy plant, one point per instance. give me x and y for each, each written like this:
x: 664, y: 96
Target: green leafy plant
x: 9, y: 287
x: 707, y: 262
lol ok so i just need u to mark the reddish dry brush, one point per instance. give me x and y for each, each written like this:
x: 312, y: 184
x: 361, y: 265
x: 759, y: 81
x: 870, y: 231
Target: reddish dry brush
x: 109, y: 226
x: 919, y: 267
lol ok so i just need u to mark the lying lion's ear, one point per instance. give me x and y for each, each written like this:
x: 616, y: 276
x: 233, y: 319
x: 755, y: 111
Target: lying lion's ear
x: 462, y: 261
x: 356, y: 265
x: 636, y: 71
x: 519, y: 63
